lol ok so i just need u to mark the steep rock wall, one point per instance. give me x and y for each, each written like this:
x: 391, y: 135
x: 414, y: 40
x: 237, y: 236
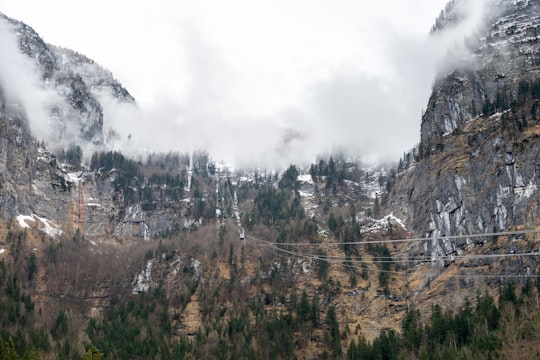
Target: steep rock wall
x: 477, y: 172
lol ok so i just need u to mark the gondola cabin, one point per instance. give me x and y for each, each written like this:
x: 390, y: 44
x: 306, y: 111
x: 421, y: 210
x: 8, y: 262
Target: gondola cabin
x: 242, y: 234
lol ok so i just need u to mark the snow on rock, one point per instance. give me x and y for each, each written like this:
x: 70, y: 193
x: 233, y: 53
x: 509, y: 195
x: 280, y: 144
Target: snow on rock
x: 306, y: 268
x: 146, y: 232
x: 197, y: 267
x: 144, y: 279
x: 306, y: 191
x: 43, y: 155
x: 352, y: 183
x: 525, y: 191
x: 74, y: 176
x: 22, y: 220
x: 2, y: 251
x: 382, y: 224
x: 169, y: 267
x: 306, y: 194
x: 306, y: 178
x: 49, y: 227
x: 371, y: 186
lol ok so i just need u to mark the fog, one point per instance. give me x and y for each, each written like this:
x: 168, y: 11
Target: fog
x: 258, y: 93
x: 21, y: 85
x: 369, y: 115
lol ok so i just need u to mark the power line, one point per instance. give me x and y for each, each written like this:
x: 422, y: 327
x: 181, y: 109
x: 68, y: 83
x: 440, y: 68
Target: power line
x: 275, y: 249
x: 450, y: 237
x: 344, y: 261
x: 391, y: 259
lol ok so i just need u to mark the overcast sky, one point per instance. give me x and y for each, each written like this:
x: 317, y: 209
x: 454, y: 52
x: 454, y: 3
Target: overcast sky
x: 260, y: 79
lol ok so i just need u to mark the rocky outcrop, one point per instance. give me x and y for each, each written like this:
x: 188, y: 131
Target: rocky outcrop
x: 181, y: 273
x: 76, y: 115
x: 471, y: 189
x: 477, y: 172
x: 34, y: 183
x: 505, y: 51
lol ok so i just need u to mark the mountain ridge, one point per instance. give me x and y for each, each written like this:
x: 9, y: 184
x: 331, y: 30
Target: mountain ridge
x: 203, y: 259
x: 480, y: 129
x: 76, y: 115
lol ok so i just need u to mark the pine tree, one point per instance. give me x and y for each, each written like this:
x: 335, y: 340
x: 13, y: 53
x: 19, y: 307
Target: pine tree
x: 9, y: 351
x: 93, y: 353
x: 335, y: 339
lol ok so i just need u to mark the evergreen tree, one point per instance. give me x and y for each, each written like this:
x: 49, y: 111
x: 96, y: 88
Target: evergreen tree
x: 335, y: 339
x: 93, y: 353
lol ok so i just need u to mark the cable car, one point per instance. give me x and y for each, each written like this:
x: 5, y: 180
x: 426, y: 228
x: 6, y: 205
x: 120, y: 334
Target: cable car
x: 242, y: 234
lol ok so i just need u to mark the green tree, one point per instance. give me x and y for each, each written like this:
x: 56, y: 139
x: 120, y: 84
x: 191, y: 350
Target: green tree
x: 335, y: 339
x: 288, y: 180
x: 323, y: 264
x: 9, y: 351
x: 32, y: 266
x: 93, y: 353
x: 60, y: 326
x: 73, y: 155
x: 303, y: 312
x: 332, y: 223
x: 412, y: 329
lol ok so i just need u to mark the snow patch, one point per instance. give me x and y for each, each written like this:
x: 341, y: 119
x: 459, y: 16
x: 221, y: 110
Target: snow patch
x: 305, y: 267
x: 146, y: 232
x: 49, y: 227
x: 144, y: 279
x: 306, y: 178
x: 43, y: 155
x: 74, y: 176
x: 525, y: 191
x: 305, y: 194
x: 2, y: 251
x: 197, y: 267
x: 380, y: 224
x: 22, y: 219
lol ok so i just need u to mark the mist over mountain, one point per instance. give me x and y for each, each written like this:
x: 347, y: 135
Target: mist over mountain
x: 123, y: 235
x: 348, y: 111
x: 57, y: 91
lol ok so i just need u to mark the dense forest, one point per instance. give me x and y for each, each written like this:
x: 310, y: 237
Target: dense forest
x: 281, y: 321
x: 250, y: 304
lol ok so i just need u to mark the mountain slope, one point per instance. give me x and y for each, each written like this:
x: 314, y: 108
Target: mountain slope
x: 477, y: 169
x: 69, y: 84
x: 144, y: 259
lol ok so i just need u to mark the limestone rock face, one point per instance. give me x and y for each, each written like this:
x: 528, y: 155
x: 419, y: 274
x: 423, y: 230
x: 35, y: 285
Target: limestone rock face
x: 477, y: 172
x: 74, y: 84
x: 32, y: 181
x: 504, y: 52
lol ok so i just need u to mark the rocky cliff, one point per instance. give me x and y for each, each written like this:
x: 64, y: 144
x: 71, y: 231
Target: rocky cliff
x: 493, y: 61
x: 73, y: 84
x: 477, y: 168
x: 40, y: 159
x: 470, y: 188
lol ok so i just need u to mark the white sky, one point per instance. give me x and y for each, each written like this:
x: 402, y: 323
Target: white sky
x: 264, y: 79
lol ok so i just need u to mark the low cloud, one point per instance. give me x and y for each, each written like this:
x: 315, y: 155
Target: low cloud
x: 369, y: 115
x: 274, y: 105
x: 21, y: 85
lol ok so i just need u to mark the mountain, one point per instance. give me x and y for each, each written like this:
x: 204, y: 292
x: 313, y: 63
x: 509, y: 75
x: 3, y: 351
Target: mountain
x: 74, y: 112
x: 477, y: 170
x: 50, y: 106
x: 177, y: 256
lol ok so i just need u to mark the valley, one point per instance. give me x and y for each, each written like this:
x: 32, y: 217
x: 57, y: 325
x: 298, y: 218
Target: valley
x: 107, y: 252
